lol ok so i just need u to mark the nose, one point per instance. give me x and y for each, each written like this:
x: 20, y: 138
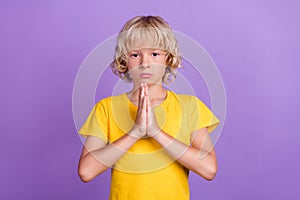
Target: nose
x: 144, y: 62
x: 144, y: 66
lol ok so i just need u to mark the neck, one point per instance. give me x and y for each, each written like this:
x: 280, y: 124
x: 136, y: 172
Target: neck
x: 156, y: 91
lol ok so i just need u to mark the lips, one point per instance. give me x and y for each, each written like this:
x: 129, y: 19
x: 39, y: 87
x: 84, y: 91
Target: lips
x: 145, y: 75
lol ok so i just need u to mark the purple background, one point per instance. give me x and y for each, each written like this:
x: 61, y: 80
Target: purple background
x: 255, y: 45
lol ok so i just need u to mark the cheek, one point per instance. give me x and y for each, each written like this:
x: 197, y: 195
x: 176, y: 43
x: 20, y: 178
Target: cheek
x: 131, y: 64
x: 161, y: 70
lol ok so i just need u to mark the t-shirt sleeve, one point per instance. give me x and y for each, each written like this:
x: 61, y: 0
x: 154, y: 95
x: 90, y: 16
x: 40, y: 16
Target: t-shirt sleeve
x: 96, y: 123
x: 202, y: 116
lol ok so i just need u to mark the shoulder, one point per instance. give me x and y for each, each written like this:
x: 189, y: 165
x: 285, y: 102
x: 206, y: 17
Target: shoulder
x: 190, y: 102
x: 185, y: 98
x: 112, y: 102
x: 110, y: 98
x: 108, y: 101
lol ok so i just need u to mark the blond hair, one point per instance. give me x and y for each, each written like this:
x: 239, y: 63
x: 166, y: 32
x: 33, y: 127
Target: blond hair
x: 146, y: 32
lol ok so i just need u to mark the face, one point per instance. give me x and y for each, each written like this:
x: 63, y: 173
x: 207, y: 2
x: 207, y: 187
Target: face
x: 146, y: 65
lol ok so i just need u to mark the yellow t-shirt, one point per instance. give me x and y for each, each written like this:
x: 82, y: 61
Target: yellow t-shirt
x: 146, y: 171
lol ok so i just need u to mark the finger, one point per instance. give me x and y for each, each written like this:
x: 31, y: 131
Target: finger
x: 150, y: 112
x: 147, y: 109
x: 146, y: 89
x: 148, y: 97
x: 148, y: 101
x: 144, y: 107
x: 141, y: 96
x: 144, y: 96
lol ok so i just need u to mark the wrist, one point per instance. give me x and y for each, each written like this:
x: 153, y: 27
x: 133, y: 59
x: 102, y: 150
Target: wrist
x: 134, y: 134
x: 157, y: 134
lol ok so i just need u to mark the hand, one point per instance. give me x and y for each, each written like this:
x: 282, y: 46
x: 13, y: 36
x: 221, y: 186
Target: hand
x: 151, y: 124
x: 139, y: 128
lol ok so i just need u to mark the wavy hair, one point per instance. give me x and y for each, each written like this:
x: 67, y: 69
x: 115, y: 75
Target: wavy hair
x: 146, y: 32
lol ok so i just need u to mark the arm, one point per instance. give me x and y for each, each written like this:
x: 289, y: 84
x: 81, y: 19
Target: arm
x: 97, y: 156
x: 200, y: 157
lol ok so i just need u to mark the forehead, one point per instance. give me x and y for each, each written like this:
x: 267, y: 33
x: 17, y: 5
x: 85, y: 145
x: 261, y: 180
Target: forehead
x: 146, y: 50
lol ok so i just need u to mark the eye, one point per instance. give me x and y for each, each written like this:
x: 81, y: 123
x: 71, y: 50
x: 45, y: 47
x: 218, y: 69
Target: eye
x: 155, y: 54
x: 135, y: 55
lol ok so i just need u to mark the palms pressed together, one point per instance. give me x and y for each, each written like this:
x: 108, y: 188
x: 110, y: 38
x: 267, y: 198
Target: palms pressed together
x: 145, y: 122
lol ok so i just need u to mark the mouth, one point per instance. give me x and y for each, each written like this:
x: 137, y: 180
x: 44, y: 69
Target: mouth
x: 145, y: 75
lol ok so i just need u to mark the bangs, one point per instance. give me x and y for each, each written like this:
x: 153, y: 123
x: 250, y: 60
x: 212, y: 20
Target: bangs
x: 142, y: 32
x: 146, y: 37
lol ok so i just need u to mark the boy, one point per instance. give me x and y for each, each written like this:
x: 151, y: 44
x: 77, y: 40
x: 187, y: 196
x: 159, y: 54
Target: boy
x: 150, y: 136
